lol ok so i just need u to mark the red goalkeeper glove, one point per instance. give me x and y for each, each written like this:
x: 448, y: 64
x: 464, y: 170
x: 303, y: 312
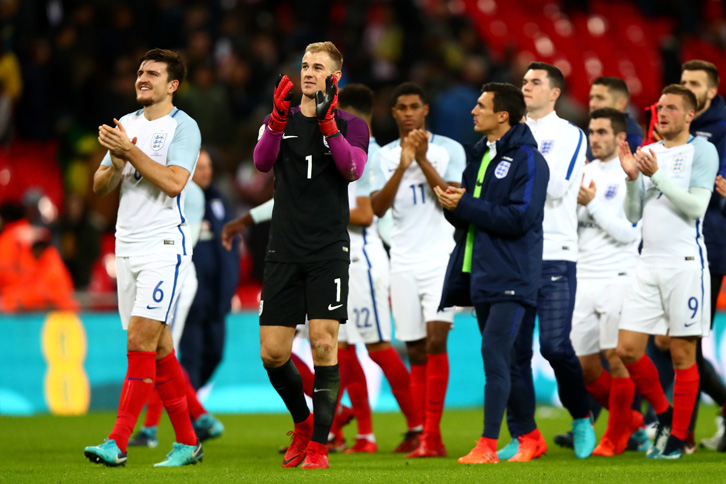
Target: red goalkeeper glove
x: 325, y: 105
x: 281, y: 104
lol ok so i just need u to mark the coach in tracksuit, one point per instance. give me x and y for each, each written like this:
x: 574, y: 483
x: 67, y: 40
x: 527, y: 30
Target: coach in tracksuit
x: 202, y: 343
x: 497, y: 262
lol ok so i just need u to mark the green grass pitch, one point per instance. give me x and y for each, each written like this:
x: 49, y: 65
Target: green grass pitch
x: 46, y: 449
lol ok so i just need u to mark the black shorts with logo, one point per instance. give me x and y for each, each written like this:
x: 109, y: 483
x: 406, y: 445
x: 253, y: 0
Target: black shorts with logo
x: 290, y: 291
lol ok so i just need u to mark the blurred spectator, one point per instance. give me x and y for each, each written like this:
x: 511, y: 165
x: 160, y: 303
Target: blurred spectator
x: 202, y: 342
x: 80, y: 240
x: 32, y: 274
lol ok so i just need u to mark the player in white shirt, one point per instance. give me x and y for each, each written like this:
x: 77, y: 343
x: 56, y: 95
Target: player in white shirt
x: 404, y: 174
x: 563, y: 145
x: 669, y: 187
x: 608, y: 249
x: 152, y: 153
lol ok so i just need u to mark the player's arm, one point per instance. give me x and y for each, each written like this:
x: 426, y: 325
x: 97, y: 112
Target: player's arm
x: 268, y: 142
x: 523, y: 207
x: 563, y: 164
x: 694, y: 202
x: 169, y: 179
x: 616, y: 226
x: 108, y: 175
x: 421, y: 140
x: 256, y: 215
x: 382, y: 197
x: 349, y: 157
x: 362, y: 215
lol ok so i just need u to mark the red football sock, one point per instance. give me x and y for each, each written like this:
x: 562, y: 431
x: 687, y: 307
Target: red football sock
x: 685, y: 389
x: 437, y: 379
x: 622, y: 392
x: 137, y: 387
x: 358, y: 393
x: 171, y: 385
x: 645, y: 377
x: 196, y: 409
x: 308, y: 378
x: 600, y: 389
x: 418, y: 391
x: 154, y: 409
x: 343, y: 368
x: 400, y: 381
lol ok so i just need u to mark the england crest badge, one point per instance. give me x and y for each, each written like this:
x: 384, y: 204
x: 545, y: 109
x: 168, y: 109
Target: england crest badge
x: 502, y: 169
x: 157, y: 141
x: 546, y: 146
x: 679, y: 163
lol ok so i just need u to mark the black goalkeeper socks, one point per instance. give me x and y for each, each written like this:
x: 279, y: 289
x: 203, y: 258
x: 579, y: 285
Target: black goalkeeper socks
x: 325, y: 398
x: 288, y: 383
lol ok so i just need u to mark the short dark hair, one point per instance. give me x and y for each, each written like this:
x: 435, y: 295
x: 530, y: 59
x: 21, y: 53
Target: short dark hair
x: 356, y: 96
x: 405, y: 89
x: 618, y: 119
x: 507, y: 97
x: 689, y: 99
x: 553, y: 73
x: 613, y: 84
x: 175, y: 67
x: 702, y: 65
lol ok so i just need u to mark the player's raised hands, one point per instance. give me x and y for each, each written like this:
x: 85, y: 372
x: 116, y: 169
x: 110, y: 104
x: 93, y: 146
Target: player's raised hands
x: 421, y: 139
x: 646, y: 162
x: 281, y: 104
x: 586, y: 193
x: 325, y: 105
x: 627, y: 161
x: 408, y: 151
x: 117, y: 141
x: 449, y: 199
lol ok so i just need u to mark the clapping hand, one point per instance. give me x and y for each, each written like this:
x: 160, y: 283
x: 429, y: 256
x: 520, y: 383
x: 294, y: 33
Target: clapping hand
x: 117, y: 142
x: 449, y: 199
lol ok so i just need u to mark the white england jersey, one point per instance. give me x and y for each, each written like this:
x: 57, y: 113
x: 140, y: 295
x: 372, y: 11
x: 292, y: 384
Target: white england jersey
x: 148, y: 220
x: 608, y: 241
x: 670, y: 238
x: 361, y: 236
x: 421, y: 235
x: 564, y: 146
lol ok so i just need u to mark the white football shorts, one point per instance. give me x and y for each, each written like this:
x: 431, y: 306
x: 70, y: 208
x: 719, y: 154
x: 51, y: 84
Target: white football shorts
x: 668, y: 300
x: 149, y: 285
x: 596, y: 318
x: 369, y: 315
x: 415, y: 297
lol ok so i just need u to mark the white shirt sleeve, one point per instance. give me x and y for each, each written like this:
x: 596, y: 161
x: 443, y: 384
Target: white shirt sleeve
x: 633, y: 204
x: 262, y: 213
x: 618, y: 228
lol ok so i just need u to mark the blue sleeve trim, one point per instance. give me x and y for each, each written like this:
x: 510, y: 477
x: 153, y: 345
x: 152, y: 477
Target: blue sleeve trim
x: 574, y: 156
x: 530, y: 178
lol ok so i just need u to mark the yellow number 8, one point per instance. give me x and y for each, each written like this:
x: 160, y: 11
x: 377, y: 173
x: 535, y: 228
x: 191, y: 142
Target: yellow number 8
x: 67, y: 391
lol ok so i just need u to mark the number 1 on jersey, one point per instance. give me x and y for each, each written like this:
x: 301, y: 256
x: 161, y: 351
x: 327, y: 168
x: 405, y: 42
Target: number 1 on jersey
x: 309, y: 159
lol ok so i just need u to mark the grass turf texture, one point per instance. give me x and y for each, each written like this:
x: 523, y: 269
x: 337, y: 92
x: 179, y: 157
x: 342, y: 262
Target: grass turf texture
x: 50, y: 449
